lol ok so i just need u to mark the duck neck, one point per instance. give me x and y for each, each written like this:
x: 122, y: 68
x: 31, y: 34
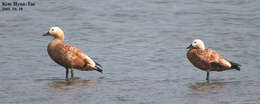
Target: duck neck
x: 59, y: 37
x: 55, y: 42
x: 202, y: 48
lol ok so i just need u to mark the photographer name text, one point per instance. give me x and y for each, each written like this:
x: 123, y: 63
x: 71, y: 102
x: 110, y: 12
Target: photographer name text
x: 16, y: 6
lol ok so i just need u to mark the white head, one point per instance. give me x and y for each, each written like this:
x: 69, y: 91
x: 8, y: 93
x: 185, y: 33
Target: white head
x: 56, y: 32
x: 198, y: 44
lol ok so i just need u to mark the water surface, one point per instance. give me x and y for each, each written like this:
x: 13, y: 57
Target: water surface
x: 142, y: 46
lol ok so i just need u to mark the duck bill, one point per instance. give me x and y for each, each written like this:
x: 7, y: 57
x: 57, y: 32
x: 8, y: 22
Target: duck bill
x: 190, y: 46
x: 46, y: 34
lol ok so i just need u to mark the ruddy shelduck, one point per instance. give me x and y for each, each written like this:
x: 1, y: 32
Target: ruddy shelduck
x: 68, y: 56
x: 207, y: 59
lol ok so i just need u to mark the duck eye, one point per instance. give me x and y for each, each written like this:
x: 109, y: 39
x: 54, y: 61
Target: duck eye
x: 195, y: 42
x: 52, y: 29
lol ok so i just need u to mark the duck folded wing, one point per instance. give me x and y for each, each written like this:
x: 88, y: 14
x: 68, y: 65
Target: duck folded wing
x: 75, y: 57
x: 212, y: 60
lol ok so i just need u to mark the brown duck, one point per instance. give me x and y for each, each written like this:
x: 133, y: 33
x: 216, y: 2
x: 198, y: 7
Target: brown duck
x: 68, y: 56
x: 207, y: 59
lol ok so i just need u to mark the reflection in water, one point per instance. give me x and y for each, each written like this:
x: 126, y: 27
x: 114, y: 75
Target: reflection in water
x: 204, y: 86
x: 67, y: 88
x: 63, y: 84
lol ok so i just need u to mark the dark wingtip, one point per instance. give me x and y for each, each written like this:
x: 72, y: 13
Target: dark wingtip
x: 235, y: 66
x: 99, y: 70
x: 98, y: 64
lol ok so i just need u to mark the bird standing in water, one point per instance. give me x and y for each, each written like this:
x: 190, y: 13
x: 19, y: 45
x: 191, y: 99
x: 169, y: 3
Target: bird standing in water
x: 68, y: 56
x: 207, y: 59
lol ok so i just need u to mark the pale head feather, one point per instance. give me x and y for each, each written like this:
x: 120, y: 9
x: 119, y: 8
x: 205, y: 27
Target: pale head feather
x: 197, y: 43
x: 56, y: 32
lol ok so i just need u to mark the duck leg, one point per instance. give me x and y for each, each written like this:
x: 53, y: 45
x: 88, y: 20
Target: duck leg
x: 207, y: 78
x: 71, y: 73
x: 67, y: 72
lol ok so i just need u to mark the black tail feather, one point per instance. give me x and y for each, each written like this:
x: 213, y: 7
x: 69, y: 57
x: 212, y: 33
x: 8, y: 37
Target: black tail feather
x: 99, y: 69
x: 98, y: 64
x: 235, y: 65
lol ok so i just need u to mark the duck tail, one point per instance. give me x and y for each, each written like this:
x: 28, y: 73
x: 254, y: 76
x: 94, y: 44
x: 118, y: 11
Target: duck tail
x: 97, y: 64
x: 98, y: 67
x: 235, y: 66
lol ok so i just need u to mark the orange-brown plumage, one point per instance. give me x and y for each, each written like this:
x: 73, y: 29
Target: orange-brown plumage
x: 67, y: 55
x: 203, y: 60
x: 207, y: 59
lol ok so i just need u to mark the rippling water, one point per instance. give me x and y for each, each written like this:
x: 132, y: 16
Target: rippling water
x: 142, y: 46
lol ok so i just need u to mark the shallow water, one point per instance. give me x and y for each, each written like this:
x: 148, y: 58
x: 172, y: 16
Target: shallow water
x: 142, y: 46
